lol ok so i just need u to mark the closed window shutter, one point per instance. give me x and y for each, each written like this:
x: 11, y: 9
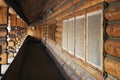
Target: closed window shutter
x: 64, y: 35
x: 79, y: 48
x: 71, y: 36
x: 94, y: 38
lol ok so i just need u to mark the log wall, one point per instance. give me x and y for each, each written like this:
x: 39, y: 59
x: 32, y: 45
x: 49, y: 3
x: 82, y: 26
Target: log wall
x: 112, y: 39
x: 111, y: 19
x: 3, y: 33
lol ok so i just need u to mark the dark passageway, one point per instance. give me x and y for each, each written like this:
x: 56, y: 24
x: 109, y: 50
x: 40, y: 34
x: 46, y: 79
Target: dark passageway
x: 38, y: 65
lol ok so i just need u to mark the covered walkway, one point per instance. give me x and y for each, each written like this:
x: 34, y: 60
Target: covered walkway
x: 38, y: 65
x: 33, y: 62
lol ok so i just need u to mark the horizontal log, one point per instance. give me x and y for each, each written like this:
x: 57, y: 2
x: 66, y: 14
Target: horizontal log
x: 10, y: 55
x: 13, y: 20
x: 113, y: 12
x: 59, y: 29
x: 3, y: 44
x: 58, y: 35
x: 13, y: 38
x: 112, y: 67
x: 112, y: 47
x: 0, y: 49
x: 59, y: 24
x: 3, y: 15
x: 113, y: 30
x: 110, y: 1
x: 87, y: 4
x: 11, y: 43
x: 12, y: 32
x: 3, y: 58
x: 3, y: 31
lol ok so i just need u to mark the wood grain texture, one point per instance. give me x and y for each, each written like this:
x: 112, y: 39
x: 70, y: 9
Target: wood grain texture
x: 12, y: 32
x: 88, y: 4
x: 113, y: 30
x: 3, y: 58
x: 18, y: 22
x: 58, y: 35
x: 112, y: 47
x: 3, y: 15
x: 59, y: 29
x: 113, y: 12
x: 112, y: 67
x: 3, y: 31
x: 110, y: 1
x: 13, y: 20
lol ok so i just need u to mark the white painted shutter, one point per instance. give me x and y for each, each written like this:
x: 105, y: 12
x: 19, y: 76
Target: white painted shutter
x: 94, y: 38
x: 64, y: 34
x: 79, y: 48
x: 71, y: 36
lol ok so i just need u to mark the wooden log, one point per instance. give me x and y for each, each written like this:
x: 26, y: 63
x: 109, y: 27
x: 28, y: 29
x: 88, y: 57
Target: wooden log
x: 3, y: 31
x: 59, y: 29
x: 18, y: 22
x: 58, y: 35
x: 12, y: 32
x: 0, y: 49
x: 3, y: 15
x: 59, y: 24
x: 112, y: 47
x: 3, y: 58
x: 11, y: 43
x: 112, y: 67
x: 13, y: 38
x: 110, y: 1
x: 113, y: 12
x: 10, y: 55
x: 113, y: 30
x: 13, y: 20
x: 3, y: 43
x: 87, y: 4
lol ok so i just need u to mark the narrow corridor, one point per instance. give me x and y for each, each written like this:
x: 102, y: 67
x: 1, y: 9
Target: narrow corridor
x: 38, y: 65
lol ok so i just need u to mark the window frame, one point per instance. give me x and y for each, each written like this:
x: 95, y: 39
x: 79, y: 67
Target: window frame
x: 101, y: 37
x: 80, y: 17
x: 66, y: 34
x: 70, y: 52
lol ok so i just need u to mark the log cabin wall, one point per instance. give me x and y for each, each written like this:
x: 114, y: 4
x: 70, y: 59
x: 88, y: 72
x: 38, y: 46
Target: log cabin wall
x: 79, y: 68
x: 112, y: 40
x: 34, y: 30
x: 3, y: 33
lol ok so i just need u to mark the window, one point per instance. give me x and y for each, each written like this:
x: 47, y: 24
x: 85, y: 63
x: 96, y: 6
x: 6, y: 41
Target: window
x: 71, y: 36
x: 51, y: 31
x: 65, y: 33
x: 94, y: 38
x: 88, y: 42
x: 79, y: 48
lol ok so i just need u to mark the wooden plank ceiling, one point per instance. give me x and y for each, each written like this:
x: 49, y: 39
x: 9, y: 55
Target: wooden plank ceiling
x: 31, y: 10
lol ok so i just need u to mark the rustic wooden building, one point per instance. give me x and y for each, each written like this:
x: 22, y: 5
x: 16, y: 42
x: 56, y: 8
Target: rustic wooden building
x: 81, y: 36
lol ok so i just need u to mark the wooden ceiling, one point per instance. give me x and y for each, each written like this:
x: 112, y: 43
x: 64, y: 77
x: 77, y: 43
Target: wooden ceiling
x: 32, y: 10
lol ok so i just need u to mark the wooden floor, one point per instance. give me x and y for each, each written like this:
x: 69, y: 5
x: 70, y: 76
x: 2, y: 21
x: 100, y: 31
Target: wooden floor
x: 38, y: 65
